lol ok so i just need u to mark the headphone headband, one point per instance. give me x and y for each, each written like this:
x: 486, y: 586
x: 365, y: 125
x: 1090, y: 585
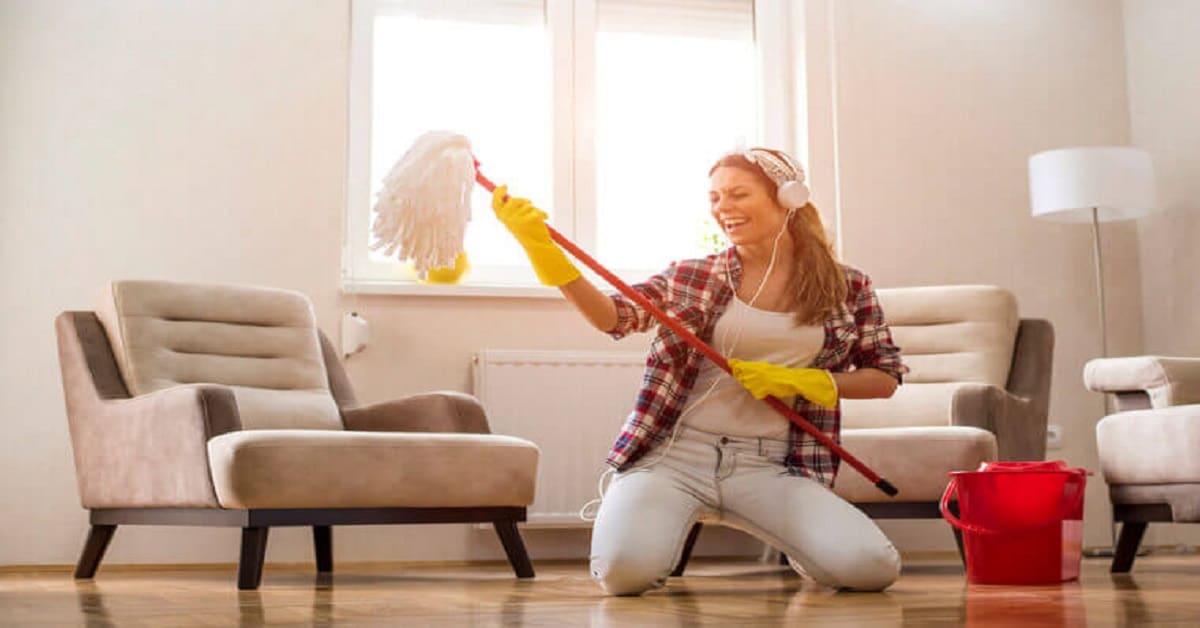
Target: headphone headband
x: 784, y: 171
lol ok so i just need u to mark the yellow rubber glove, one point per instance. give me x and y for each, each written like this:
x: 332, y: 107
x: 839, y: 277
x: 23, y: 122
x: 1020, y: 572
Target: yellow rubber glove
x: 528, y: 225
x: 764, y: 378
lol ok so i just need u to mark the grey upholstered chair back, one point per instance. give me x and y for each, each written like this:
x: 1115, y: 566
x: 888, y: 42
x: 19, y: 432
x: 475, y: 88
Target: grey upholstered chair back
x: 972, y: 361
x: 261, y: 342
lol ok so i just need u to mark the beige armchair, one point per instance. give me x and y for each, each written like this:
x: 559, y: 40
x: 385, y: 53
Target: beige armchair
x: 226, y: 406
x: 978, y: 390
x: 1150, y: 447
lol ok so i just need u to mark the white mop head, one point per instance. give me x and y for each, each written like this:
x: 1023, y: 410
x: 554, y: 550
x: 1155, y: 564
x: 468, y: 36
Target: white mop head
x: 422, y: 211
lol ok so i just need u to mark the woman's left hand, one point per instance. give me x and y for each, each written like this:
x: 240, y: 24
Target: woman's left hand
x: 764, y: 378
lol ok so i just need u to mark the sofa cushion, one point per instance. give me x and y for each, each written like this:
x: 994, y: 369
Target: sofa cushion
x: 261, y: 342
x: 1150, y: 446
x: 341, y: 469
x: 914, y: 459
x: 948, y: 335
x: 912, y: 405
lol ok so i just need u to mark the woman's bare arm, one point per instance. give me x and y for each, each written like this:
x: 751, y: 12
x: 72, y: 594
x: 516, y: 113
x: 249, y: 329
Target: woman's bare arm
x: 865, y: 383
x: 596, y: 307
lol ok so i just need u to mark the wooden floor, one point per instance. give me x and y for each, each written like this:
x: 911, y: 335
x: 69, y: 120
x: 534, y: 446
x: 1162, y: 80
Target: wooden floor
x: 1162, y: 591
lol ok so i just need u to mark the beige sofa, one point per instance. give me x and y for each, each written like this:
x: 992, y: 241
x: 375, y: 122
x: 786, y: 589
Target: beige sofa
x: 1150, y: 446
x: 978, y: 390
x: 224, y: 405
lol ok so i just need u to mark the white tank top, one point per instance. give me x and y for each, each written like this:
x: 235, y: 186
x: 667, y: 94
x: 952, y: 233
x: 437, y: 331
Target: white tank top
x: 749, y: 333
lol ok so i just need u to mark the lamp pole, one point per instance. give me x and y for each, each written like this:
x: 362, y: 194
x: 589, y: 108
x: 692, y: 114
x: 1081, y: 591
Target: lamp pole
x: 1112, y: 526
x: 1099, y: 284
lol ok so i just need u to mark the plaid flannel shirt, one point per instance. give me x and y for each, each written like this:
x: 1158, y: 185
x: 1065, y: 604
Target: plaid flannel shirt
x: 695, y: 292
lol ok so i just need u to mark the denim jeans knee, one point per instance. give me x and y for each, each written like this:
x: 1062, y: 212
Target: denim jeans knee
x: 625, y: 575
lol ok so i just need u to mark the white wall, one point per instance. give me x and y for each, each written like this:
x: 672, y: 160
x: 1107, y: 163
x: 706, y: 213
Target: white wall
x: 940, y: 105
x: 193, y: 141
x: 1162, y: 44
x: 206, y: 142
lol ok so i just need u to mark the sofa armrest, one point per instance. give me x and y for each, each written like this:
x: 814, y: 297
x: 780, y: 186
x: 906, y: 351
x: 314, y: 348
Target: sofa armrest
x: 151, y: 450
x: 144, y: 451
x: 1017, y: 421
x: 443, y: 411
x: 1164, y: 381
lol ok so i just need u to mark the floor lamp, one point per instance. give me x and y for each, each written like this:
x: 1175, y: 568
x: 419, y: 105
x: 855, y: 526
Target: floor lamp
x: 1093, y: 184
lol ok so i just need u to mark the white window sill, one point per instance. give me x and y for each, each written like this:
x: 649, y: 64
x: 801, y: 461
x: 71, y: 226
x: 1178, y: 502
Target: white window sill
x: 412, y: 288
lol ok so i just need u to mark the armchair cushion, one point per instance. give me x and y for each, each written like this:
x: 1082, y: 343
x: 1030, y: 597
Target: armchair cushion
x: 1167, y: 381
x: 1150, y: 446
x: 950, y: 336
x: 953, y: 333
x: 262, y: 343
x: 337, y: 469
x: 442, y: 411
x: 915, y: 459
x: 912, y: 405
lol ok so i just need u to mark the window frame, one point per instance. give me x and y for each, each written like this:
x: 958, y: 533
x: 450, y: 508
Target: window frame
x: 571, y: 33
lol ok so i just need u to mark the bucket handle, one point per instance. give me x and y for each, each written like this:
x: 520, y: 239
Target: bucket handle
x: 952, y: 488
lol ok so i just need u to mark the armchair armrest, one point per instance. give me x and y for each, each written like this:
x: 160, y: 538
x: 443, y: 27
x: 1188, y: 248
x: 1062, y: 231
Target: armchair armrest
x: 443, y: 411
x: 1017, y: 421
x: 136, y: 452
x: 1163, y: 381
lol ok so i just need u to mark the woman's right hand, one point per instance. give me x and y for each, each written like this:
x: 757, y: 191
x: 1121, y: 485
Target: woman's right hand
x: 528, y: 225
x: 526, y: 222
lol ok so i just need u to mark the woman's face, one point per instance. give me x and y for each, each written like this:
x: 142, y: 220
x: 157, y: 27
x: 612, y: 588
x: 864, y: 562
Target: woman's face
x: 743, y: 207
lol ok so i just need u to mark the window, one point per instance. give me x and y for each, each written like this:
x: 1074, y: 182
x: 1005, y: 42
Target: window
x: 607, y: 113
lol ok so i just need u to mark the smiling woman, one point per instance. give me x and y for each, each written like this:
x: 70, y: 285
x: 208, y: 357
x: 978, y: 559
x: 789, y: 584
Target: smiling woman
x: 793, y: 324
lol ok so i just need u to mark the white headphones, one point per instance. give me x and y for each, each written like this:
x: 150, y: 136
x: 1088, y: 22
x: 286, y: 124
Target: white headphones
x: 785, y: 172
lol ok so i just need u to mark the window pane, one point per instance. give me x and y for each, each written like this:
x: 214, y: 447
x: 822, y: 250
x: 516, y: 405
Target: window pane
x: 675, y: 89
x: 479, y: 69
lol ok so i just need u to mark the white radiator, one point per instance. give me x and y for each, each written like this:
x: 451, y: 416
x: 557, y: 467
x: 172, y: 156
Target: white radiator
x: 572, y: 404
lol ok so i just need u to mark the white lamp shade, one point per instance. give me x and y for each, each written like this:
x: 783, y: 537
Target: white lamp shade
x: 1065, y: 184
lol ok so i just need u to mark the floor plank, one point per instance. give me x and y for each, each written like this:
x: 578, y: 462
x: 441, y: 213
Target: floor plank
x: 1161, y: 591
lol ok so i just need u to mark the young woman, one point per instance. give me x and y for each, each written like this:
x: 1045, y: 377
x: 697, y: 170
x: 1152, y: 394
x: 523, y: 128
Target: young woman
x: 794, y: 323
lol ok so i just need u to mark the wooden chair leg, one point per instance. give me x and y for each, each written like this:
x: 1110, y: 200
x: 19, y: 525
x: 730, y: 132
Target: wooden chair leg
x: 1127, y: 546
x: 323, y: 548
x: 686, y: 555
x: 93, y: 550
x: 254, y: 550
x: 514, y: 547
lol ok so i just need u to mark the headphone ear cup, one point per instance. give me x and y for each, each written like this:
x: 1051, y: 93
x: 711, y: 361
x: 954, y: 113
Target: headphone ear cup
x: 793, y: 194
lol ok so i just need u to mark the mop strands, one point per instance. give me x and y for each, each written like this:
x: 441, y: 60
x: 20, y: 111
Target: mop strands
x: 422, y: 214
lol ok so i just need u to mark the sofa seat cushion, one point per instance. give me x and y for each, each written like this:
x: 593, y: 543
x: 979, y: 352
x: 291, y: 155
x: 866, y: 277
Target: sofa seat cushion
x: 340, y: 469
x: 914, y: 459
x: 1150, y: 446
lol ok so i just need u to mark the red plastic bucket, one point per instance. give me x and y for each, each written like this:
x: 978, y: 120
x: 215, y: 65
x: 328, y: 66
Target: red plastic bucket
x: 1022, y: 522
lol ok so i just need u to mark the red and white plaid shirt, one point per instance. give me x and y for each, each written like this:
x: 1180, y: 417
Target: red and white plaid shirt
x: 696, y: 292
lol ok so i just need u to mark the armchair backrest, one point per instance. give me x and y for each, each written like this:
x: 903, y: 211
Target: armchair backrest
x: 950, y: 337
x: 261, y: 342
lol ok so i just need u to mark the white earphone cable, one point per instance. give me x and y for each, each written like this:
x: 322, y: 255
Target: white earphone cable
x: 727, y: 347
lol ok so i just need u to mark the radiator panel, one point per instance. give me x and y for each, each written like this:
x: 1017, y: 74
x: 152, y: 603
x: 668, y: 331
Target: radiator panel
x: 572, y: 404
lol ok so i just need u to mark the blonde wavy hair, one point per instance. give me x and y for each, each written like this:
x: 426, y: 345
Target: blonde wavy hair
x: 818, y: 284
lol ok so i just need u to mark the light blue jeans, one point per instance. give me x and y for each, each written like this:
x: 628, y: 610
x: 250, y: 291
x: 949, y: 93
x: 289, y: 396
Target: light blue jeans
x: 649, y: 509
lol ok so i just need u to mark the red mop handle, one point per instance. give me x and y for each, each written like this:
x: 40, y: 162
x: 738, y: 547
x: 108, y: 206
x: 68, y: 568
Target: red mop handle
x: 702, y: 347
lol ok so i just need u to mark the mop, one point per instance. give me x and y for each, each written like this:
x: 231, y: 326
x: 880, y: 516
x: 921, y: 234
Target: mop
x: 421, y: 214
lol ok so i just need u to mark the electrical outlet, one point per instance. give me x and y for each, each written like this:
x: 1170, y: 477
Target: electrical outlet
x: 355, y: 333
x: 1054, y: 436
